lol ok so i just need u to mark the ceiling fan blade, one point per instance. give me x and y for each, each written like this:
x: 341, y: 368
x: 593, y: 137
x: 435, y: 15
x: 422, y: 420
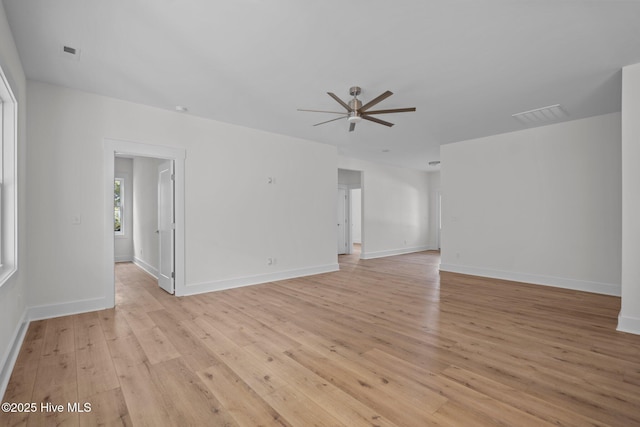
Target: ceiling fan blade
x: 373, y: 119
x: 374, y: 101
x: 352, y: 126
x: 395, y: 110
x: 340, y: 101
x: 332, y: 120
x: 322, y: 111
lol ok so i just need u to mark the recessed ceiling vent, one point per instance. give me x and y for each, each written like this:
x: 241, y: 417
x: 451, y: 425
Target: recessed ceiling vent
x: 70, y: 52
x: 542, y: 115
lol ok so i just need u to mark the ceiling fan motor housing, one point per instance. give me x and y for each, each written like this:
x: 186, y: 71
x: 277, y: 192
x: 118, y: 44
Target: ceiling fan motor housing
x: 354, y: 104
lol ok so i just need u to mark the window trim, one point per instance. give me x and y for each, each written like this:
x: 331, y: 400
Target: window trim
x: 122, y: 180
x: 8, y: 181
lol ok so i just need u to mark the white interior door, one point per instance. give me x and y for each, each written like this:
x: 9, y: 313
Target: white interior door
x: 166, y: 226
x: 342, y: 221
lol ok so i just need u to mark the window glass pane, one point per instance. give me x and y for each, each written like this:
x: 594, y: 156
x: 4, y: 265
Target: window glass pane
x: 117, y: 206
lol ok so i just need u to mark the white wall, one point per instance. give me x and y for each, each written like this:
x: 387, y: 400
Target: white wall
x: 349, y: 178
x: 235, y: 220
x: 629, y: 319
x: 145, y: 213
x: 13, y: 292
x: 541, y: 205
x: 395, y: 208
x: 123, y: 243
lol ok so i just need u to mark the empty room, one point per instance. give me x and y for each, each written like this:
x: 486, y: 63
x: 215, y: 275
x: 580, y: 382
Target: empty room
x: 363, y: 213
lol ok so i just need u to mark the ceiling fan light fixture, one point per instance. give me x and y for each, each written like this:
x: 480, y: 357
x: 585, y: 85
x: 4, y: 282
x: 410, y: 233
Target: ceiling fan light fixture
x: 354, y: 118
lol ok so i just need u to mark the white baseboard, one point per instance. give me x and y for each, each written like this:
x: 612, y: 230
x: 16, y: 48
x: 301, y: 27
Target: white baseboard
x: 123, y: 258
x: 146, y: 267
x: 392, y: 252
x: 64, y: 309
x: 628, y: 324
x: 558, y: 282
x: 238, y: 282
x: 11, y: 355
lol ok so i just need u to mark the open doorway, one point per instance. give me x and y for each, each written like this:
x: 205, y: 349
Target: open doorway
x: 355, y: 194
x: 349, y: 212
x: 159, y: 157
x: 143, y: 233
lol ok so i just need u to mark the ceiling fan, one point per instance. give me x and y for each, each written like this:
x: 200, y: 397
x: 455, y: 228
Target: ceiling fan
x: 356, y: 111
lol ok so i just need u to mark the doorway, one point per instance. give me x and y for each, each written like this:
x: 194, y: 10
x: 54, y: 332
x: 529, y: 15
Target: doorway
x: 343, y: 214
x: 175, y: 156
x: 350, y: 212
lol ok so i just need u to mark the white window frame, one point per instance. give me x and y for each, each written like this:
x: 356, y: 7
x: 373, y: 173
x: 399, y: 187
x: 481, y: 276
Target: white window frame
x: 122, y: 207
x: 8, y: 181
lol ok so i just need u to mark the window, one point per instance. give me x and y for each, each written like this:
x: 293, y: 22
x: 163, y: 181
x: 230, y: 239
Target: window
x: 118, y: 205
x: 8, y: 181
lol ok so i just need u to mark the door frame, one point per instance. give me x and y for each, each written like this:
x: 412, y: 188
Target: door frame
x: 346, y: 219
x: 360, y: 185
x: 113, y: 147
x: 166, y: 281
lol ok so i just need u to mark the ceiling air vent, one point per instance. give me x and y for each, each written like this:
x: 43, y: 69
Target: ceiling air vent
x: 541, y: 115
x: 70, y: 52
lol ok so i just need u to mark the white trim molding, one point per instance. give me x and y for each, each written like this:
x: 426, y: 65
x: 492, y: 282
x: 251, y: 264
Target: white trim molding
x: 536, y: 279
x: 9, y: 180
x: 146, y: 267
x: 50, y: 311
x: 393, y: 252
x: 238, y: 282
x: 11, y: 355
x: 628, y: 324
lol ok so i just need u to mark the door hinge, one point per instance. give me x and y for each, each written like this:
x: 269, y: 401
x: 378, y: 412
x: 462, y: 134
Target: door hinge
x: 173, y: 177
x: 173, y: 226
x: 173, y: 275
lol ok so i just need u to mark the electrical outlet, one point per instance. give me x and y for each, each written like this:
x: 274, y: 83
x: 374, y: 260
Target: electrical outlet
x: 269, y: 261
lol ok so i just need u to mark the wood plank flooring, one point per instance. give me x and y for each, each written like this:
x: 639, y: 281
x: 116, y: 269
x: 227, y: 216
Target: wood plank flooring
x: 385, y: 342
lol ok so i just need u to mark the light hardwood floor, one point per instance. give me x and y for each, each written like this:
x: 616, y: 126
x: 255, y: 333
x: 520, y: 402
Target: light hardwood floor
x: 386, y: 342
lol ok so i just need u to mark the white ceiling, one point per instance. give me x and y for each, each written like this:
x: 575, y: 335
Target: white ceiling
x: 466, y: 65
